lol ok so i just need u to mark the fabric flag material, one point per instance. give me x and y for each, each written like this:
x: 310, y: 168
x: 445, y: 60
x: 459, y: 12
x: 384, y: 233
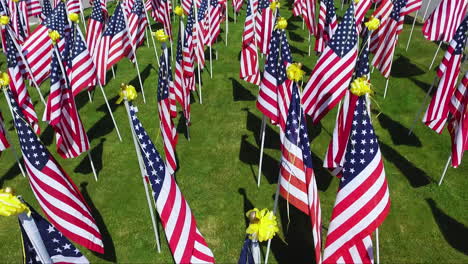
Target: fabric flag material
x: 246, y: 255
x: 17, y: 74
x: 215, y: 16
x: 74, y: 6
x: 181, y: 89
x: 55, y: 191
x: 327, y: 24
x: 113, y: 45
x: 438, y: 109
x: 185, y: 241
x: 3, y: 138
x: 43, y: 243
x: 62, y: 115
x: 95, y: 27
x: 458, y: 125
x: 137, y: 23
x: 334, y: 69
x: 237, y: 5
x: 34, y: 8
x: 188, y: 52
x: 46, y: 9
x: 37, y: 48
x: 264, y: 25
x: 444, y: 20
x: 166, y: 105
x: 200, y: 32
x: 363, y: 201
x: 249, y: 71
x: 297, y: 180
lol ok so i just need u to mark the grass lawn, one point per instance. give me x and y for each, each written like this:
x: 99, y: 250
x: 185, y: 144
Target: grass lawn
x: 219, y: 165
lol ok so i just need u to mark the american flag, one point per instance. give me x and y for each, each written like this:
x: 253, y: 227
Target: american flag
x: 37, y: 48
x: 188, y: 52
x: 444, y: 20
x: 361, y: 9
x: 95, y: 27
x: 17, y: 85
x: 363, y: 201
x: 74, y: 6
x: 166, y: 105
x: 297, y: 179
x: 18, y: 18
x: 200, y: 33
x: 246, y: 255
x: 334, y: 158
x: 182, y: 91
x: 308, y: 14
x: 186, y: 242
x: 43, y: 243
x: 438, y: 109
x: 161, y: 12
x: 215, y: 15
x: 79, y: 64
x: 113, y: 45
x: 264, y: 25
x: 249, y: 57
x: 237, y: 5
x: 3, y: 138
x: 137, y: 23
x: 384, y: 48
x: 34, y: 8
x: 62, y: 115
x: 187, y: 5
x: 327, y: 24
x: 458, y: 125
x: 284, y: 85
x: 382, y: 13
x: 46, y: 9
x: 333, y: 72
x: 55, y: 191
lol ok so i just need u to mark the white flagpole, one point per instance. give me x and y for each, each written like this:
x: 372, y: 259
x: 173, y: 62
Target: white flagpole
x: 377, y: 246
x: 435, y: 55
x: 275, y: 207
x: 152, y: 38
x: 134, y: 51
x: 412, y: 28
x: 386, y: 87
x: 82, y: 16
x: 445, y: 170
x: 142, y: 172
x: 198, y: 63
x: 146, y: 33
x: 262, y: 135
x: 422, y: 106
x: 227, y: 23
x: 6, y: 133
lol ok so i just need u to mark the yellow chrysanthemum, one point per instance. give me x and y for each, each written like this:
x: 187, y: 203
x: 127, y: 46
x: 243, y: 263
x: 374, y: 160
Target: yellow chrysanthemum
x: 4, y: 79
x: 179, y: 11
x: 361, y: 86
x: 73, y: 17
x: 294, y: 72
x: 4, y: 20
x: 127, y: 91
x: 274, y: 5
x: 54, y: 35
x: 161, y: 35
x: 263, y: 225
x: 373, y: 23
x: 10, y: 204
x: 282, y: 23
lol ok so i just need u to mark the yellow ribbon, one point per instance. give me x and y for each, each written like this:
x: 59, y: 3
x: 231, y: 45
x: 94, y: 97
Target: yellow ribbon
x: 263, y: 225
x: 54, y: 36
x: 178, y: 10
x: 4, y: 20
x: 4, y: 79
x: 274, y: 5
x: 294, y: 72
x: 373, y: 23
x: 282, y: 23
x: 73, y: 17
x: 10, y: 204
x: 127, y: 91
x: 361, y: 86
x: 161, y: 35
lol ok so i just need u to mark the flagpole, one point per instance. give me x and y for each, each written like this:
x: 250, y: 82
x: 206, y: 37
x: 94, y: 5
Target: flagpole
x: 6, y: 133
x: 55, y: 50
x: 275, y: 207
x: 182, y: 34
x: 152, y: 38
x: 422, y: 106
x: 414, y: 21
x: 386, y: 87
x: 82, y: 16
x: 445, y: 170
x: 198, y: 62
x: 377, y: 246
x: 435, y: 55
x: 134, y: 52
x: 227, y: 23
x: 145, y: 184
x: 146, y: 33
x: 25, y: 64
x: 262, y: 144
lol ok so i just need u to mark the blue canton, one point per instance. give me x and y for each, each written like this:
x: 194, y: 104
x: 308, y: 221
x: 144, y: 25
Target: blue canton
x: 263, y: 4
x: 202, y: 10
x: 272, y: 59
x: 116, y: 22
x: 460, y: 36
x: 96, y: 14
x: 189, y: 27
x: 58, y: 19
x: 163, y: 80
x: 362, y: 144
x: 46, y: 8
x: 398, y: 5
x: 362, y: 64
x: 345, y: 37
x: 138, y: 8
x: 11, y: 53
x: 331, y: 12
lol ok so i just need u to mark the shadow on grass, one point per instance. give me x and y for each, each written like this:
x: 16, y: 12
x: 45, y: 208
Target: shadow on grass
x: 105, y: 125
x: 297, y: 51
x: 144, y: 75
x: 403, y: 68
x: 416, y: 177
x: 81, y: 99
x: 424, y: 86
x: 47, y: 136
x: 182, y: 125
x: 248, y: 205
x: 249, y: 154
x: 295, y: 37
x: 254, y: 125
x: 109, y: 74
x: 322, y: 175
x: 240, y: 93
x: 398, y: 132
x: 109, y: 248
x: 96, y: 153
x: 454, y: 232
x: 11, y: 173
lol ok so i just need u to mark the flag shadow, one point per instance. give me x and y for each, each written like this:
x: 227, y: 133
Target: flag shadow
x: 240, y: 93
x: 404, y: 68
x: 104, y: 125
x: 249, y: 154
x: 322, y: 175
x: 96, y: 153
x: 144, y: 75
x: 454, y: 232
x: 424, y: 86
x: 254, y: 125
x: 397, y: 131
x: 12, y: 173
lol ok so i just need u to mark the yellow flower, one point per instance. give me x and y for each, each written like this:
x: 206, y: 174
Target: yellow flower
x: 373, y: 23
x: 4, y: 79
x: 274, y: 5
x: 73, y: 17
x: 282, y: 23
x: 356, y: 1
x: 361, y: 86
x: 10, y: 204
x: 263, y: 225
x: 161, y: 35
x: 179, y: 11
x: 54, y: 35
x: 295, y: 72
x: 127, y: 91
x: 4, y: 20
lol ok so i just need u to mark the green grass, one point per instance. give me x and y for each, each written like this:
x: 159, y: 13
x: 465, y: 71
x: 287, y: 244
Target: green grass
x: 218, y: 167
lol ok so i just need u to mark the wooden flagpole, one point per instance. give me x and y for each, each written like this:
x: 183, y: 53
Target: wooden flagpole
x: 435, y: 55
x: 6, y: 132
x: 143, y: 177
x: 445, y: 170
x: 422, y: 106
x: 414, y: 21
